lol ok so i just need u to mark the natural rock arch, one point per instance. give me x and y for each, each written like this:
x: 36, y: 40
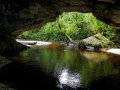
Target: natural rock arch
x: 16, y: 16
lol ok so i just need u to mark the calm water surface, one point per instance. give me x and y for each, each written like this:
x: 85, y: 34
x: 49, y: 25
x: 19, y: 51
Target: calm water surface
x: 62, y: 68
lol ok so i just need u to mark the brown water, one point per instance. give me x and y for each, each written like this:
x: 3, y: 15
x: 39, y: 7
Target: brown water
x: 62, y: 68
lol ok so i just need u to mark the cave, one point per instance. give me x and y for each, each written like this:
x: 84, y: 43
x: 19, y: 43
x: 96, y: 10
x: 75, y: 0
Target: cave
x: 22, y: 15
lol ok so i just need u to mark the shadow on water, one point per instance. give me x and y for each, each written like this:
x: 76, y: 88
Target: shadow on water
x: 111, y: 82
x: 22, y: 77
x: 49, y: 69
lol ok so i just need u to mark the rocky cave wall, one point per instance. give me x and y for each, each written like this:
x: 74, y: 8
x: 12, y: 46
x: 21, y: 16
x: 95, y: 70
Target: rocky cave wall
x: 17, y: 16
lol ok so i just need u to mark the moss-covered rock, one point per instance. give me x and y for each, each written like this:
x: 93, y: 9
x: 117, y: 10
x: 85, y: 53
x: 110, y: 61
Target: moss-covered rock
x: 97, y: 41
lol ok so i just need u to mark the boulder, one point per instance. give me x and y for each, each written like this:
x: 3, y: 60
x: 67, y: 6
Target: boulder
x: 96, y: 42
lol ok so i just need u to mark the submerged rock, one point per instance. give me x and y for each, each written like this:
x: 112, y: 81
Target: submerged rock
x: 96, y: 42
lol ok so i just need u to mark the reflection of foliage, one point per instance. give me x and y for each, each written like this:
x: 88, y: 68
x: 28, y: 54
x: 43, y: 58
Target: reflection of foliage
x: 76, y: 25
x: 56, y: 59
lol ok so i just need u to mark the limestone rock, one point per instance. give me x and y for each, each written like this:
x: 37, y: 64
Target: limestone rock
x: 97, y: 41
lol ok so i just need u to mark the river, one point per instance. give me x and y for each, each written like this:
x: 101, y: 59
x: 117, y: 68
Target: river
x: 61, y: 68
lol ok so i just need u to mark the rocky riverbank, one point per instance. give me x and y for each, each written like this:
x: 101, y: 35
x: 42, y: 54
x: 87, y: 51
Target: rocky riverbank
x: 111, y: 50
x: 31, y: 43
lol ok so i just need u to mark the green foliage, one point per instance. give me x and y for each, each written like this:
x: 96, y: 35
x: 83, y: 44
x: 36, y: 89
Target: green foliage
x: 73, y: 24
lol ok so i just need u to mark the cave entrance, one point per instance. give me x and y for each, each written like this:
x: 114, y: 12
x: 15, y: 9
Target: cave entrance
x: 64, y: 68
x: 70, y: 26
x: 71, y: 68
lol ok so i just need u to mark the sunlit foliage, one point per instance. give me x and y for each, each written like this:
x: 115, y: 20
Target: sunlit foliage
x: 73, y: 24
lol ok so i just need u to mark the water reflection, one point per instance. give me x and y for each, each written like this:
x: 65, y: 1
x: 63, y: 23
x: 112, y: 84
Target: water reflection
x: 69, y: 79
x: 72, y: 67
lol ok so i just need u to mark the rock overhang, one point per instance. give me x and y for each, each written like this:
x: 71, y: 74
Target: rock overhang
x: 21, y: 15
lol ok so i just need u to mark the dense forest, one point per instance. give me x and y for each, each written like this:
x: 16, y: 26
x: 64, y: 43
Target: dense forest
x: 71, y: 25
